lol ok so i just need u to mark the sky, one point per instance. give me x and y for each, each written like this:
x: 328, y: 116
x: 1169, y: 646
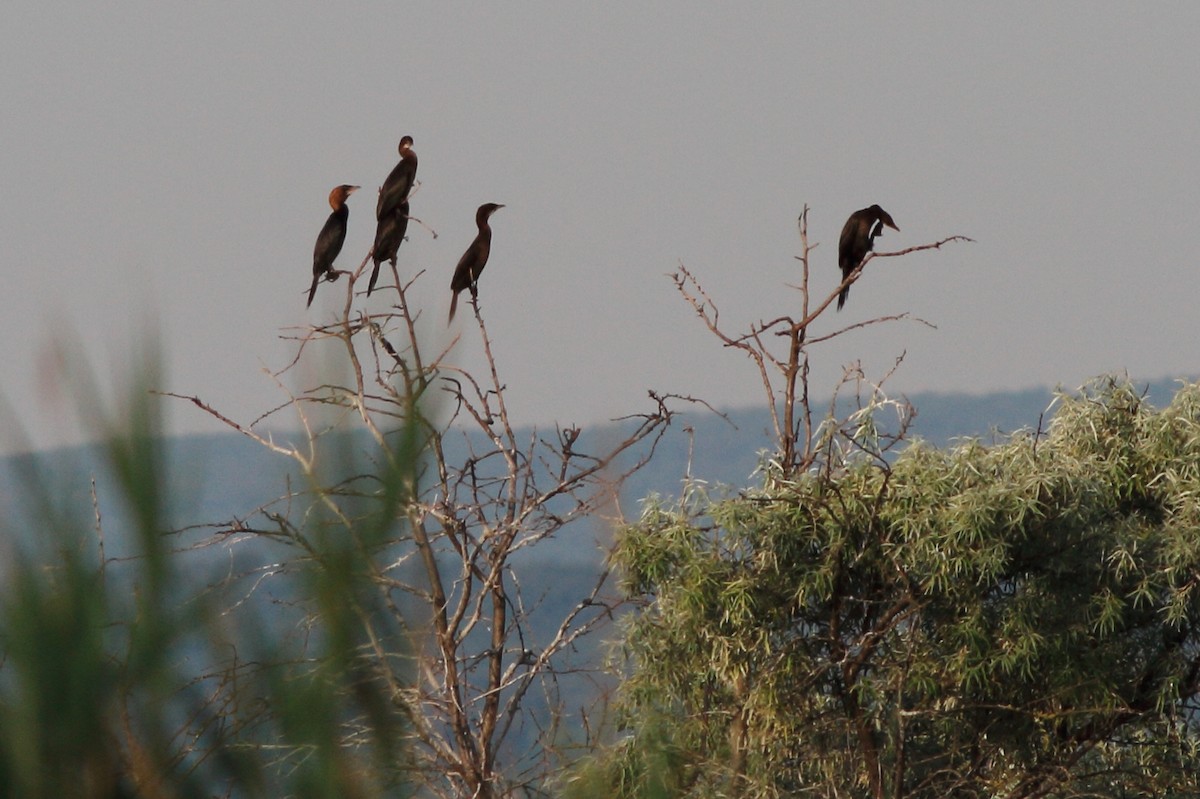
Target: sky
x: 166, y: 168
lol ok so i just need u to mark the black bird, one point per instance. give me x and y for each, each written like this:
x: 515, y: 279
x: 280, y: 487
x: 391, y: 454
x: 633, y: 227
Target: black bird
x: 331, y: 238
x: 858, y: 239
x: 466, y: 274
x: 399, y: 182
x: 389, y: 233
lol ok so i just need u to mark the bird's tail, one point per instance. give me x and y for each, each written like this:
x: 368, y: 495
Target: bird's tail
x: 842, y: 297
x: 374, y: 277
x: 453, y: 307
x: 313, y: 291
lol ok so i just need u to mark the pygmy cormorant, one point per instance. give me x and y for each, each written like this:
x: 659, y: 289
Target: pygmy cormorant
x: 466, y: 274
x: 389, y: 233
x: 858, y: 238
x: 331, y: 238
x: 399, y: 183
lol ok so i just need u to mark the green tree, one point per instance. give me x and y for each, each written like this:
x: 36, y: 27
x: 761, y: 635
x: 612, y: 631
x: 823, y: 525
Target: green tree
x: 1019, y: 619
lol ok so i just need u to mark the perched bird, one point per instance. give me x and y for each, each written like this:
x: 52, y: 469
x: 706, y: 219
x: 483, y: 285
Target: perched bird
x: 858, y: 239
x: 388, y: 235
x: 331, y: 238
x: 399, y: 182
x: 466, y: 274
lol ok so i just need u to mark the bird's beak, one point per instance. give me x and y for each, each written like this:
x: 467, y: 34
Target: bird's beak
x: 353, y: 189
x: 892, y: 225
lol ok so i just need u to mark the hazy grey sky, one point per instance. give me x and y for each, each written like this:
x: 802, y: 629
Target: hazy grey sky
x: 168, y: 164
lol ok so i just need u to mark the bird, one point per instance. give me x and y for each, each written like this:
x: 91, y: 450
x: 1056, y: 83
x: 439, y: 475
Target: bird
x: 331, y: 237
x: 858, y: 239
x: 466, y: 274
x: 389, y: 233
x: 399, y: 182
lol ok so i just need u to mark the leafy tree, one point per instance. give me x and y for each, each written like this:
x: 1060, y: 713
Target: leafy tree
x: 1016, y: 619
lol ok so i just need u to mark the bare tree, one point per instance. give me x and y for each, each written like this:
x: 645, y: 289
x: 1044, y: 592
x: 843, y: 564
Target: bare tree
x: 443, y: 623
x: 780, y: 350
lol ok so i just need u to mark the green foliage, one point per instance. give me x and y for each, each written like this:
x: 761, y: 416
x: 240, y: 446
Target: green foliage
x: 118, y: 679
x: 1017, y: 620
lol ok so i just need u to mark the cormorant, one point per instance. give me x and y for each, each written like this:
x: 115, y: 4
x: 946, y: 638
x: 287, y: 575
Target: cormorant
x: 331, y: 238
x: 399, y: 183
x: 858, y: 239
x: 466, y: 274
x: 389, y: 233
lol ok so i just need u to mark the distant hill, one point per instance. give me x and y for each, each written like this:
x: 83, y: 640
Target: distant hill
x: 213, y: 478
x: 728, y: 452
